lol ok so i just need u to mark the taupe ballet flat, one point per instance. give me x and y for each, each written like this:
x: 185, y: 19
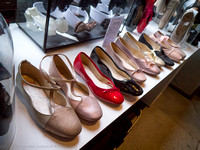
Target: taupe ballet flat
x: 125, y: 63
x: 81, y: 99
x: 48, y: 106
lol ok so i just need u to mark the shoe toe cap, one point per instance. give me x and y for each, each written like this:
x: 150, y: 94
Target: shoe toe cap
x: 139, y: 76
x: 64, y: 123
x: 175, y: 56
x: 114, y: 97
x: 89, y: 109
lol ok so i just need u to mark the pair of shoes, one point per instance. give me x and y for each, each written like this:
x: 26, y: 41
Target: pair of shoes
x: 121, y: 79
x: 80, y: 98
x: 181, y: 30
x: 135, y: 14
x: 147, y: 15
x: 46, y: 103
x: 167, y: 41
x: 144, y: 38
x: 100, y: 85
x: 144, y: 49
x: 146, y: 66
x: 171, y: 52
x: 171, y: 7
x: 125, y: 62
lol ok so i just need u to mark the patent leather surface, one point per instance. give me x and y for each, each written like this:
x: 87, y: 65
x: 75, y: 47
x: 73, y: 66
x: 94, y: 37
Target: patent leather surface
x: 110, y: 94
x: 128, y: 85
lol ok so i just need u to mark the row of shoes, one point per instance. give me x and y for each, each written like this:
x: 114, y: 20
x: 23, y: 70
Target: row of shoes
x: 58, y: 100
x: 145, y: 55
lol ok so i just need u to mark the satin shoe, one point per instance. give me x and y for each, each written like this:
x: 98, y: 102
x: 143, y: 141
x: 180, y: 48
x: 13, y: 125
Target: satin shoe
x: 46, y: 103
x: 143, y: 48
x: 125, y: 63
x: 156, y: 48
x: 121, y: 79
x: 169, y: 42
x: 171, y: 52
x: 80, y: 98
x: 148, y: 67
x: 100, y: 85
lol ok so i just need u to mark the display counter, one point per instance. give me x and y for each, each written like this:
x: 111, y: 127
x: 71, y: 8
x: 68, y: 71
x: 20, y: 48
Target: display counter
x: 30, y: 137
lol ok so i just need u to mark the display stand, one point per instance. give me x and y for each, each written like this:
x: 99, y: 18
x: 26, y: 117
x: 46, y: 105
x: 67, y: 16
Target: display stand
x: 30, y: 136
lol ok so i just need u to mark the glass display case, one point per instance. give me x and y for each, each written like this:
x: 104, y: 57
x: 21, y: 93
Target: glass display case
x: 7, y: 86
x: 52, y: 24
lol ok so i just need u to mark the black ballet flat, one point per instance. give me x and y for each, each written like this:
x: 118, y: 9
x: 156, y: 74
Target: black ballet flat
x: 121, y: 79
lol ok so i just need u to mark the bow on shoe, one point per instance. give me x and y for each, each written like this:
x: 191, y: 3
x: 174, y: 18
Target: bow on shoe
x: 81, y: 26
x: 136, y: 71
x: 169, y: 51
x: 111, y: 90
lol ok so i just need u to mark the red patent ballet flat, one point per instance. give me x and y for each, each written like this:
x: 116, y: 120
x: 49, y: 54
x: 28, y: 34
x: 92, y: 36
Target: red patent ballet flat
x: 101, y: 86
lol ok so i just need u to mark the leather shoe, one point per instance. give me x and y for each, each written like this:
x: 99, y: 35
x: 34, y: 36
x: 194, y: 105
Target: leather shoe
x: 101, y: 85
x: 120, y: 78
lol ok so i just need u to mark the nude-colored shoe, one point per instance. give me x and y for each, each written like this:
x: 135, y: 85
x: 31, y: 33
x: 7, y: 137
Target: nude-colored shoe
x: 148, y: 67
x: 169, y: 42
x: 125, y: 63
x: 47, y: 105
x: 81, y: 99
x: 143, y: 48
x: 181, y: 30
x: 171, y: 52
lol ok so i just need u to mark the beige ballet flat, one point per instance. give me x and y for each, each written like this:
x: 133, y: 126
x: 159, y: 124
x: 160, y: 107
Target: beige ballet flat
x: 81, y: 99
x: 47, y: 105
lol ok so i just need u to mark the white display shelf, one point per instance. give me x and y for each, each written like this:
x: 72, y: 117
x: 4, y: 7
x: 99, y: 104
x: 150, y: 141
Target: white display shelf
x: 30, y: 137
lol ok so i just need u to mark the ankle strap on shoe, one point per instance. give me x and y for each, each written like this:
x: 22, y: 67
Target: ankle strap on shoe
x: 51, y: 88
x: 52, y: 79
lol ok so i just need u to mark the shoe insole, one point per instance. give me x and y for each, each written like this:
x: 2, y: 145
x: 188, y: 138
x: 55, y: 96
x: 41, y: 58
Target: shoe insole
x: 126, y: 64
x: 39, y: 99
x: 184, y: 24
x: 79, y: 91
x: 96, y: 81
x: 114, y: 72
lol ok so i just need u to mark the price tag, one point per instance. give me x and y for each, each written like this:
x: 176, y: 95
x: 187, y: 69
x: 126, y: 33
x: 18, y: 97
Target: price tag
x: 112, y: 30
